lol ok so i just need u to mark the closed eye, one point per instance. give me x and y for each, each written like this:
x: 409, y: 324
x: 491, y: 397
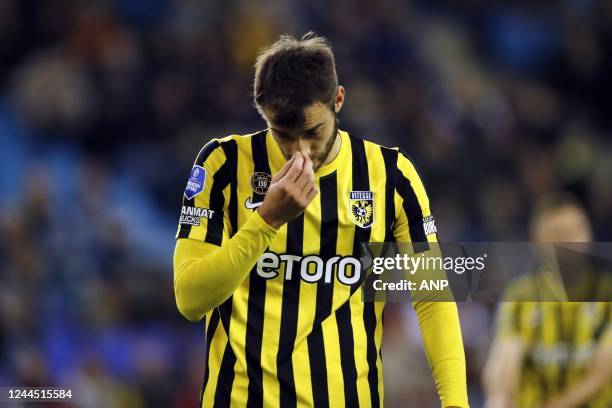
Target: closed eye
x: 313, y: 132
x: 280, y: 135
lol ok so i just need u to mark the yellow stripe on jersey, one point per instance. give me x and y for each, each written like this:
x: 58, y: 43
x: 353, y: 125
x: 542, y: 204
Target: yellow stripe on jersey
x: 333, y: 194
x: 260, y: 149
x: 240, y: 301
x: 307, y: 302
x: 299, y: 333
x: 271, y: 328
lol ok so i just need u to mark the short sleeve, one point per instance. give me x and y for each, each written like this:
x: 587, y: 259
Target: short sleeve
x: 414, y: 221
x: 205, y: 198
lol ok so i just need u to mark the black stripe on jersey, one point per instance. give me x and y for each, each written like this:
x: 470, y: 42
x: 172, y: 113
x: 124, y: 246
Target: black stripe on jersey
x: 343, y: 314
x: 369, y: 321
x: 361, y: 182
x: 289, y: 317
x: 414, y: 213
x: 231, y: 153
x: 205, y: 152
x: 214, y: 232
x: 260, y: 152
x: 210, y: 332
x: 225, y: 381
x: 390, y: 160
x: 347, y: 356
x: 257, y: 297
x: 329, y: 236
x: 260, y: 158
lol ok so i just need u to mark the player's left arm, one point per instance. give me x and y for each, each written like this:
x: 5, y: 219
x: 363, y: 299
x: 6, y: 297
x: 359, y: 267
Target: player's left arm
x: 596, y: 377
x: 438, y: 321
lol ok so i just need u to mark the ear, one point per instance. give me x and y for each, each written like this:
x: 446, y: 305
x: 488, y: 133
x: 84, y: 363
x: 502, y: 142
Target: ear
x: 340, y: 93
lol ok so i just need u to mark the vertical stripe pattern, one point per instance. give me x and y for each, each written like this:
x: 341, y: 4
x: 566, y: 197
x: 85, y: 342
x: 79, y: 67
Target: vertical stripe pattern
x: 414, y: 212
x: 289, y: 315
x: 290, y: 339
x: 206, y: 151
x: 231, y: 154
x: 361, y: 182
x: 226, y: 371
x: 210, y: 332
x: 257, y: 297
x: 226, y: 175
x: 329, y: 235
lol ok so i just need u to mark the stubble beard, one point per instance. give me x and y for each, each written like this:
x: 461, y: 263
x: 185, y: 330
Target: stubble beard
x: 320, y: 159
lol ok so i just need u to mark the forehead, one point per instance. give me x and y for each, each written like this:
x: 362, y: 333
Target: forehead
x: 565, y: 218
x: 312, y: 115
x: 314, y: 112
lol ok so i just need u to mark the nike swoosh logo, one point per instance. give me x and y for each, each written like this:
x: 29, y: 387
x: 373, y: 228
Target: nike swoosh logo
x: 250, y: 205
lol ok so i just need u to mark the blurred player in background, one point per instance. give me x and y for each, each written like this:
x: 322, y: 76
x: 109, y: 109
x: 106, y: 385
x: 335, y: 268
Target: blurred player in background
x: 552, y: 354
x: 268, y: 245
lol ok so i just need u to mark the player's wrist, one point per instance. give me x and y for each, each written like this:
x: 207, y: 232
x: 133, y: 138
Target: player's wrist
x: 269, y: 219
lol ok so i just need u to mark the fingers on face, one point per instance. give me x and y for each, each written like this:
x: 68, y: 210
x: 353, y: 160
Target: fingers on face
x: 306, y: 178
x: 296, y: 167
x: 283, y: 171
x: 299, y: 173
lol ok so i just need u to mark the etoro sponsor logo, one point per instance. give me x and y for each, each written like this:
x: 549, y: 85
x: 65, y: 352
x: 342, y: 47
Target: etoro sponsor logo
x: 192, y: 215
x: 311, y: 268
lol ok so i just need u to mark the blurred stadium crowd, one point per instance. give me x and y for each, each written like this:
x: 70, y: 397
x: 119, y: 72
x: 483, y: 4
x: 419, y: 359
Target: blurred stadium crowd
x: 104, y: 105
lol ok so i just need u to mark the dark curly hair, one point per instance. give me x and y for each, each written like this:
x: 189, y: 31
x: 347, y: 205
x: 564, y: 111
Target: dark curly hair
x: 292, y: 74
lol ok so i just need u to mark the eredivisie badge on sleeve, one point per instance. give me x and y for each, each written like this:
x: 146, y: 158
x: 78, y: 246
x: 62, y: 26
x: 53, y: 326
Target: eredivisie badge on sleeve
x: 361, y: 207
x: 196, y: 181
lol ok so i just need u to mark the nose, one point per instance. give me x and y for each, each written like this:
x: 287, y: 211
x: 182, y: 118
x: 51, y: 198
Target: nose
x: 303, y: 147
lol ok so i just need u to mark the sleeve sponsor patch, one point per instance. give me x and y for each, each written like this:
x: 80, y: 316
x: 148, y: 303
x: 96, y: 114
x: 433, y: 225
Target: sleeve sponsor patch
x: 429, y: 225
x: 193, y: 215
x: 196, y: 181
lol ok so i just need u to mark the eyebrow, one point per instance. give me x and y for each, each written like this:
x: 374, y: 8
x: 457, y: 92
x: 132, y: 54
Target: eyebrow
x: 312, y: 129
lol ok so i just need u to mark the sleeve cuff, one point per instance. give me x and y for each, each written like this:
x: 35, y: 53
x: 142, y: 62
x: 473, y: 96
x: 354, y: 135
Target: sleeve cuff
x: 262, y: 225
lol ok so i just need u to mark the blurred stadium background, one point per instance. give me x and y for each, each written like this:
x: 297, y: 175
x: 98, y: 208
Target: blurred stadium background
x: 104, y: 104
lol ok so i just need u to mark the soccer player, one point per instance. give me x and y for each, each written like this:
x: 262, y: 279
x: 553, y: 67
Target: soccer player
x: 268, y: 244
x: 553, y: 354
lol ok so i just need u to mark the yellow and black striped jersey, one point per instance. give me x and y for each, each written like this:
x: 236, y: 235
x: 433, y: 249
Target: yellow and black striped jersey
x: 296, y: 331
x: 559, y: 339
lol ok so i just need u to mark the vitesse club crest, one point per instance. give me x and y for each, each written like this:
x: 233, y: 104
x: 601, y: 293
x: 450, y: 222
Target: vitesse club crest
x: 361, y: 207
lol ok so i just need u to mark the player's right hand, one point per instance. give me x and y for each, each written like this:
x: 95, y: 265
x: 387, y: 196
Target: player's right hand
x: 290, y: 191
